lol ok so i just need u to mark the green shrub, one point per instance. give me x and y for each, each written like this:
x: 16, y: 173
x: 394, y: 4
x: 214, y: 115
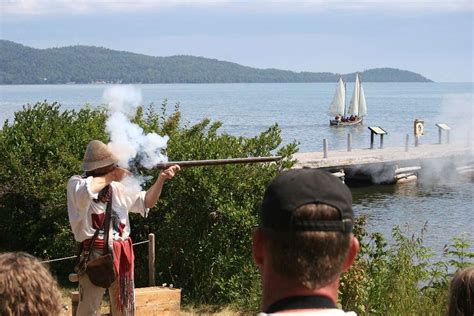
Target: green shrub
x: 38, y: 152
x: 401, y: 278
x: 202, y: 223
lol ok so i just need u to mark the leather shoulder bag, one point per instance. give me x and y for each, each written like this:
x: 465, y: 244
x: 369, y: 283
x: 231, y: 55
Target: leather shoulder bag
x: 101, y: 270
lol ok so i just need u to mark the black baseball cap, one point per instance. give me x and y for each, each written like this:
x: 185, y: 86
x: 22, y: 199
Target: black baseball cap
x: 297, y: 187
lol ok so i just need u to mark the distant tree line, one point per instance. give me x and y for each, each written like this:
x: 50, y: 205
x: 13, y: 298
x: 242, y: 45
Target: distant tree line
x: 20, y: 64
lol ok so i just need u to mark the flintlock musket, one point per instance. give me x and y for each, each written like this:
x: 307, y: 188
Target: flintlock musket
x: 213, y: 162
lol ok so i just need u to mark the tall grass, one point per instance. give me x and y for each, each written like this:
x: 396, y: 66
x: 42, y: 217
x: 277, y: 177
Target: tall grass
x: 401, y: 278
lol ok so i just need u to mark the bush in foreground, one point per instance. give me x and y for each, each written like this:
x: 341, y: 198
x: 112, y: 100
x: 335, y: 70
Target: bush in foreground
x: 400, y: 278
x: 203, y: 222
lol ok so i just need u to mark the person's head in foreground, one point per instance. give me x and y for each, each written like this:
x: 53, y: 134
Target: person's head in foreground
x: 304, y: 241
x: 26, y: 286
x: 461, y: 293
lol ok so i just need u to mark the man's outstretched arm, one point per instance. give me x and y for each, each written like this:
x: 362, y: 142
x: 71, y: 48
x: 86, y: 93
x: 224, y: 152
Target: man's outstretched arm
x: 153, y: 193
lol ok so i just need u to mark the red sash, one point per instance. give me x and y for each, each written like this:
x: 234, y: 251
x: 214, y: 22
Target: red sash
x: 124, y: 265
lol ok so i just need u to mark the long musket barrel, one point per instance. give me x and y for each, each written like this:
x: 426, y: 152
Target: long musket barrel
x: 213, y: 162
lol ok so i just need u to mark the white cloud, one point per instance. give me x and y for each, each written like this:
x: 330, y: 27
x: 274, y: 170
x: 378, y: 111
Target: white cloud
x: 38, y: 7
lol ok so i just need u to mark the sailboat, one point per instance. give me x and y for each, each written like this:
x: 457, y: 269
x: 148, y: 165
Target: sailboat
x: 357, y: 109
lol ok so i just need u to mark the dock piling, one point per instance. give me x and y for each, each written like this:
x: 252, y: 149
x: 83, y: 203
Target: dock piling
x: 325, y: 148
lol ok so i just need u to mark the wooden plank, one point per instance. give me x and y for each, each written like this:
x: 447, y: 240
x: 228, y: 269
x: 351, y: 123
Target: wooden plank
x: 157, y: 301
x: 149, y: 301
x: 404, y: 175
x: 408, y: 169
x: 165, y: 298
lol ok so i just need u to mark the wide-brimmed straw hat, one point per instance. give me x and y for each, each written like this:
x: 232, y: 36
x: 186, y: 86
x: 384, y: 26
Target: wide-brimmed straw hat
x: 97, y: 155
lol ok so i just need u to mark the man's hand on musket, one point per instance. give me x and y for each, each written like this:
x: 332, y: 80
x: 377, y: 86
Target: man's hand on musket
x: 169, y: 172
x: 154, y: 192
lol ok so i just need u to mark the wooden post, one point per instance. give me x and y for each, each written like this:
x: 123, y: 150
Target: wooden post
x: 151, y: 259
x: 407, y: 139
x: 349, y: 142
x: 447, y: 136
x: 325, y: 148
x: 74, y: 302
x: 381, y: 141
x: 416, y: 140
x: 371, y: 140
x: 440, y: 135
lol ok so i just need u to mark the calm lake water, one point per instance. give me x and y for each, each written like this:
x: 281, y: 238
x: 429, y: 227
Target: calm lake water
x: 447, y: 210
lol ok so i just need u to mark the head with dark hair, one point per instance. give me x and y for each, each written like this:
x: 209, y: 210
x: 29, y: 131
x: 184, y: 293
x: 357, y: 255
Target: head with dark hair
x: 461, y: 293
x: 304, y: 241
x: 26, y: 286
x: 314, y: 258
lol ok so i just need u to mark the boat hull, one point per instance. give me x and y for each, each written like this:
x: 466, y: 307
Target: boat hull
x: 337, y: 123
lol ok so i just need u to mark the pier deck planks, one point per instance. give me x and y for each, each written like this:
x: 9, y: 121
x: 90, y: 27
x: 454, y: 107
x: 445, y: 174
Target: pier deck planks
x: 395, y: 155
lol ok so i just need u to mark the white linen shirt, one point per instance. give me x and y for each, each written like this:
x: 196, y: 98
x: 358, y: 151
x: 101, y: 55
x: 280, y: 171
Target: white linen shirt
x: 81, y: 206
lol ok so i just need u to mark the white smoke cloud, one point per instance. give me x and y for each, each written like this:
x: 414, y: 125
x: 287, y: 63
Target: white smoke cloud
x: 133, y: 185
x: 124, y: 99
x: 457, y: 110
x: 128, y: 140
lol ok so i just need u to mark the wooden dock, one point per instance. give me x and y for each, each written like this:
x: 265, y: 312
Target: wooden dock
x: 344, y: 159
x: 388, y: 165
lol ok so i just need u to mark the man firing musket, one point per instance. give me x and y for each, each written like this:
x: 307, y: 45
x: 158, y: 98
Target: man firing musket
x: 98, y: 207
x: 98, y: 199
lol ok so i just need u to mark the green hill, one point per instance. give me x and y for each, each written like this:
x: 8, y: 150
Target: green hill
x: 20, y: 64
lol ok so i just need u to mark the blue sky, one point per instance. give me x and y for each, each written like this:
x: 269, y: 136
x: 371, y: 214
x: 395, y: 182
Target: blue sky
x: 431, y: 37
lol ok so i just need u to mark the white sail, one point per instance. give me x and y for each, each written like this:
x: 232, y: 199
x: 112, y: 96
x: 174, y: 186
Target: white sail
x: 362, y: 104
x: 354, y: 105
x: 339, y: 101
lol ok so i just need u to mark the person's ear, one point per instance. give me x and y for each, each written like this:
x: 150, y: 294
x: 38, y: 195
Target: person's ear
x: 257, y: 246
x: 352, y: 253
